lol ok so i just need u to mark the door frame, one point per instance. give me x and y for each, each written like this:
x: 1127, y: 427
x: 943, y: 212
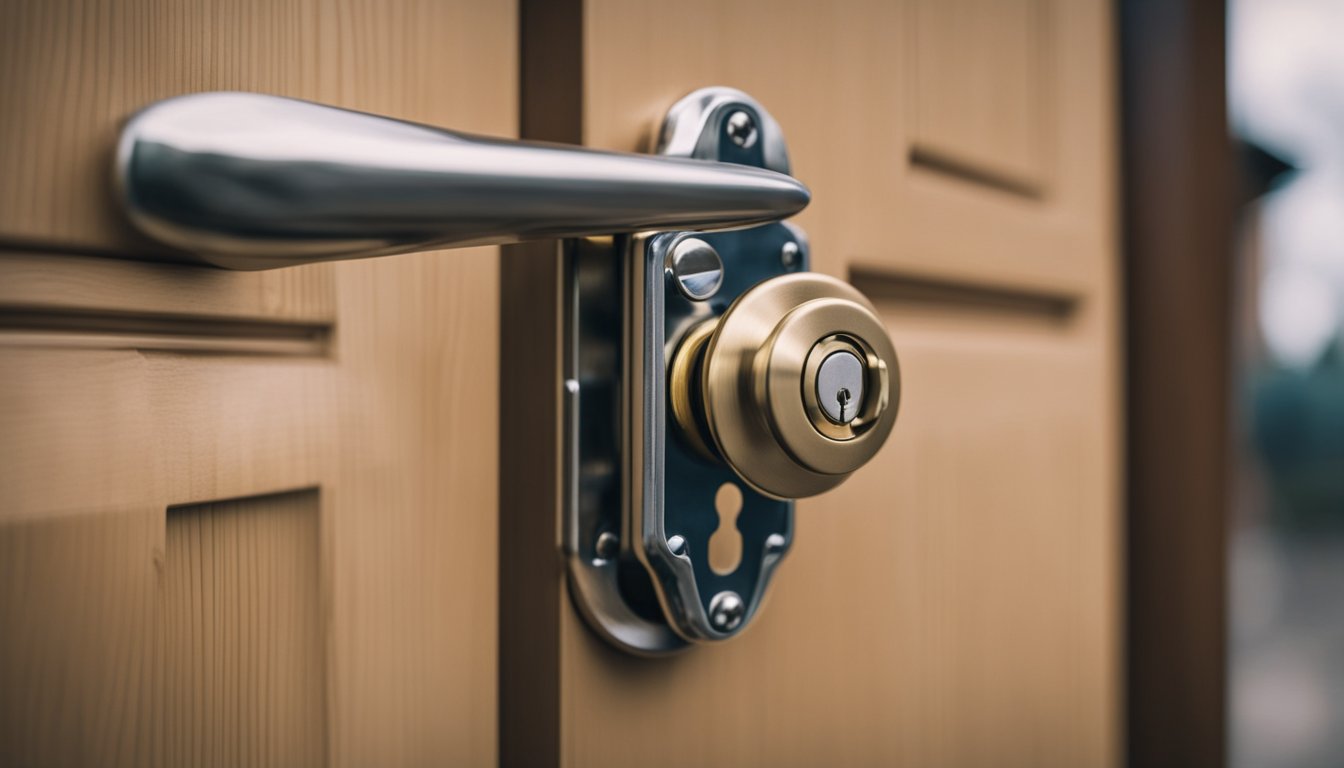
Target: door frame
x: 1179, y: 188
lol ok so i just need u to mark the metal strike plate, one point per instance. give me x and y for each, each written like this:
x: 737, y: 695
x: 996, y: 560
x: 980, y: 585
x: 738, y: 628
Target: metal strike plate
x: 639, y: 501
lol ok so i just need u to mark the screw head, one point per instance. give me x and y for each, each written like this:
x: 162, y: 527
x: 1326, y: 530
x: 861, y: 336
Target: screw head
x: 608, y: 546
x: 741, y: 128
x: 726, y: 611
x: 774, y: 544
x: 697, y: 267
x: 790, y: 255
x: 677, y: 544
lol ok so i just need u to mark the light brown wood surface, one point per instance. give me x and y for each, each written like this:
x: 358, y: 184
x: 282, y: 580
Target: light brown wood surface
x: 245, y: 518
x: 250, y: 518
x: 75, y: 69
x: 956, y: 603
x: 241, y: 615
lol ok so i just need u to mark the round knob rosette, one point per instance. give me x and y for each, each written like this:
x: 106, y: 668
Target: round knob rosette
x: 794, y: 387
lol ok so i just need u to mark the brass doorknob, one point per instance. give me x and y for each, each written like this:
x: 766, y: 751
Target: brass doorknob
x: 794, y: 387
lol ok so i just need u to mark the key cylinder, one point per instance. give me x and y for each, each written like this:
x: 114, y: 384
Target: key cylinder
x: 794, y: 387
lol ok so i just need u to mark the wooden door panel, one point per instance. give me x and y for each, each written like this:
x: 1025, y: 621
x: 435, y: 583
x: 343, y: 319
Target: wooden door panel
x: 981, y: 101
x: 92, y: 287
x: 200, y: 642
x: 75, y: 69
x: 841, y: 78
x: 78, y: 602
x: 983, y: 206
x: 205, y: 472
x: 245, y: 518
x: 388, y: 429
x: 950, y: 605
x: 241, y: 646
x: 954, y: 604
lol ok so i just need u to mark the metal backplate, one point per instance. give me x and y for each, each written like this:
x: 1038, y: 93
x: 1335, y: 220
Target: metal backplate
x: 640, y: 501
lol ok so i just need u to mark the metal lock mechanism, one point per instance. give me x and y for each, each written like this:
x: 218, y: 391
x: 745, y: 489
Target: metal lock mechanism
x: 699, y: 366
x: 791, y: 387
x: 708, y: 379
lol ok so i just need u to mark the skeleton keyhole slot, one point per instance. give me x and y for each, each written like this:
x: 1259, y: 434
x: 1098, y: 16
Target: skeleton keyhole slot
x: 725, y: 545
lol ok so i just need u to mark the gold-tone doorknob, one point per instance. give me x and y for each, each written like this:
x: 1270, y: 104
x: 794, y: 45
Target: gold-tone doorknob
x: 794, y: 387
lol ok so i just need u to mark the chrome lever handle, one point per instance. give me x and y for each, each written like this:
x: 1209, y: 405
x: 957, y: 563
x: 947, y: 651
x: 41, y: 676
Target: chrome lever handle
x: 248, y: 181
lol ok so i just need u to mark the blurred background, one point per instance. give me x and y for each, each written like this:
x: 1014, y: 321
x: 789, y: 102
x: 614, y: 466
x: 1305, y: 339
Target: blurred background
x: 1286, y: 580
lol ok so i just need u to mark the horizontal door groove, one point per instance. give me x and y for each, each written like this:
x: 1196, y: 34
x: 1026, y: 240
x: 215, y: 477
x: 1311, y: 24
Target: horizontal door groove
x: 946, y: 164
x: 56, y: 327
x: 1043, y: 305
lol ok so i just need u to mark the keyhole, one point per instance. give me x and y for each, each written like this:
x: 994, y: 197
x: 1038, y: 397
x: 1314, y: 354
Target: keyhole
x: 842, y: 397
x: 725, y: 545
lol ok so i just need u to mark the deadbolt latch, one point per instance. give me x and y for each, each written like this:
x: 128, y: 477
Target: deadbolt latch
x: 709, y: 381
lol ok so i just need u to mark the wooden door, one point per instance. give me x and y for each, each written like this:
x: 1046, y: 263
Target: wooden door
x: 245, y: 518
x: 955, y: 603
x: 254, y: 518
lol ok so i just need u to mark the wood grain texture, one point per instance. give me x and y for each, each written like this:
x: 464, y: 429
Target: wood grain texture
x: 957, y: 603
x: 73, y: 70
x: 77, y: 654
x: 395, y: 423
x: 102, y: 286
x: 242, y: 650
x: 100, y: 303
x: 982, y: 97
x: 397, y: 432
x: 837, y: 77
x: 949, y: 606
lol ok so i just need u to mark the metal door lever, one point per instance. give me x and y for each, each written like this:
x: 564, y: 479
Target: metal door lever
x: 248, y: 181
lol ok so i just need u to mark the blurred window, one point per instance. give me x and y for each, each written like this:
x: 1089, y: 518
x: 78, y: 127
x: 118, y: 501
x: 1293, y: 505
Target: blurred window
x: 1286, y: 98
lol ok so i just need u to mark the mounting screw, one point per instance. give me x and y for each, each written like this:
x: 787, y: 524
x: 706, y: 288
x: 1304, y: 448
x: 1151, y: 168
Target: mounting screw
x: 677, y: 544
x: 726, y: 611
x: 774, y: 544
x: 790, y: 255
x: 741, y: 128
x: 608, y: 546
x: 697, y: 267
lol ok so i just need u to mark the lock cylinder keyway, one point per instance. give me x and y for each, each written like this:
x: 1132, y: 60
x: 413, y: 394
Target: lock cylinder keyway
x: 794, y: 387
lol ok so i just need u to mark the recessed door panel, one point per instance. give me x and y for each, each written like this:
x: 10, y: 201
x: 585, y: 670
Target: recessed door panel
x: 245, y: 518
